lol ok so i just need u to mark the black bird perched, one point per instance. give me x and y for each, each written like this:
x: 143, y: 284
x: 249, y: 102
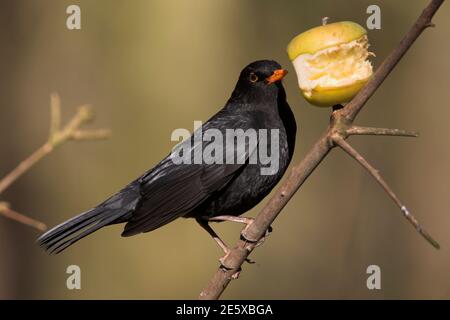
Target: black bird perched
x: 207, y: 192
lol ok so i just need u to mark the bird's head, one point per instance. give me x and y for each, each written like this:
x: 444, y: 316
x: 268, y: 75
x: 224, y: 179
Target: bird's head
x: 259, y: 80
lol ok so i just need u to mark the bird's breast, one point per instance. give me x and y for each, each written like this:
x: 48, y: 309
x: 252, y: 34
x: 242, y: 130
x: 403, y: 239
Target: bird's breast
x: 254, y: 182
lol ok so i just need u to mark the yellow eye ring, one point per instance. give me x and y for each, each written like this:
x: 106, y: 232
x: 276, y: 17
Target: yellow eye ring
x: 253, y: 77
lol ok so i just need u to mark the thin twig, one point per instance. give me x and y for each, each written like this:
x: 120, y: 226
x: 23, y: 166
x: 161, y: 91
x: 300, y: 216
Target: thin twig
x: 341, y: 121
x: 376, y: 175
x: 6, y: 211
x: 57, y: 137
x: 55, y: 114
x: 24, y: 166
x: 98, y: 134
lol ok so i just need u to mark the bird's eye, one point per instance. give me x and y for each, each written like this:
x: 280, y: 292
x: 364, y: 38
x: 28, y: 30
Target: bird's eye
x: 253, y: 77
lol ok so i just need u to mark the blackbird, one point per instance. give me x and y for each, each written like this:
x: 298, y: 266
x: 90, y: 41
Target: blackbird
x: 219, y: 191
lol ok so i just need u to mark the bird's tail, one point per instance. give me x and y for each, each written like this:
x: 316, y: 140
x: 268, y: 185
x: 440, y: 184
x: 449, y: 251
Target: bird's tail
x: 67, y: 233
x: 114, y: 210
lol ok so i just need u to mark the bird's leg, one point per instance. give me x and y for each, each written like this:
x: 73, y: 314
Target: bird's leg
x: 205, y: 225
x: 246, y: 220
x: 203, y: 222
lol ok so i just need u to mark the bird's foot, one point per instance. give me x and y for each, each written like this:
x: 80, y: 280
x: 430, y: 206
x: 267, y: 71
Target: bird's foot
x: 222, y: 260
x: 203, y: 222
x: 223, y: 265
x: 247, y: 221
x: 260, y: 241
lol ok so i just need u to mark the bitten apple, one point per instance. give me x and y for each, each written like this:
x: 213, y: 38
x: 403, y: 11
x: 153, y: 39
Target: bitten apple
x: 331, y: 62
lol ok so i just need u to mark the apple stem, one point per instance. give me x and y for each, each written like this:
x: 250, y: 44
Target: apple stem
x: 325, y: 20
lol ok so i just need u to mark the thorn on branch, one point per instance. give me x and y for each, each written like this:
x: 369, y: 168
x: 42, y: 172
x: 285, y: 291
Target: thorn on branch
x: 344, y: 145
x: 355, y: 130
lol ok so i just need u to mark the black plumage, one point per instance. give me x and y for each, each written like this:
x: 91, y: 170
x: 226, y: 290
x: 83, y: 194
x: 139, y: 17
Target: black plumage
x: 169, y: 191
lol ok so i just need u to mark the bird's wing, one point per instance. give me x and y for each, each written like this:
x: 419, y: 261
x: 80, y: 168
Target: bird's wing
x: 173, y: 190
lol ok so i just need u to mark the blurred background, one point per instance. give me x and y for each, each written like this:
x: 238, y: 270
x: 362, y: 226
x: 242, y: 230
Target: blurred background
x: 149, y: 67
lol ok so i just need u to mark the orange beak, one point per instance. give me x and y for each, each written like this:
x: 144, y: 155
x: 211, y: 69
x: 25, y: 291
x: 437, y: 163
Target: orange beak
x: 277, y: 75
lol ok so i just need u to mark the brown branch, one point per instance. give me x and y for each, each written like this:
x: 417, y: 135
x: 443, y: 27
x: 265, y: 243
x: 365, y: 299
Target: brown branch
x: 341, y: 121
x: 376, y: 175
x: 7, y: 212
x: 57, y: 137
